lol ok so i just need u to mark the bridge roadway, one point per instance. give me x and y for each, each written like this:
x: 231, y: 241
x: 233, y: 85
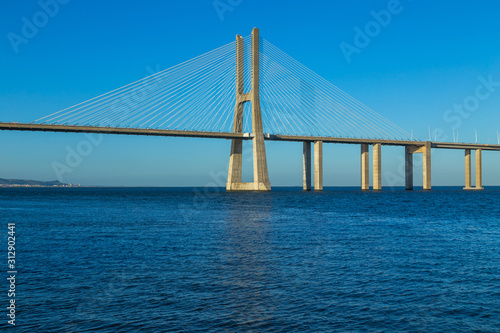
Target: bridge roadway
x: 229, y: 136
x: 411, y: 148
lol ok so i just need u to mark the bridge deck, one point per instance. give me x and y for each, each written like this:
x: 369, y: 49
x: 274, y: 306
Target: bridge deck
x: 227, y: 135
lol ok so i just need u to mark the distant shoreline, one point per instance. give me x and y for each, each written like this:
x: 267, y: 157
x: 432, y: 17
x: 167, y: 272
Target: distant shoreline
x: 40, y: 186
x: 33, y: 183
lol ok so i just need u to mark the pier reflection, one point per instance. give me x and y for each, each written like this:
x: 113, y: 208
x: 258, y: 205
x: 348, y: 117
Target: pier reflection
x: 248, y: 262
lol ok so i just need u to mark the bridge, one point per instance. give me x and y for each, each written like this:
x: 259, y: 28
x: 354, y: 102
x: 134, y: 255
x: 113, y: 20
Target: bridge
x: 251, y: 90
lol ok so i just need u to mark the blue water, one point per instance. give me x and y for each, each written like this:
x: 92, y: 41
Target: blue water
x: 194, y: 260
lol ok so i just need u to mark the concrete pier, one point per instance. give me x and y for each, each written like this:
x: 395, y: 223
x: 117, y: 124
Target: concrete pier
x: 468, y: 178
x: 318, y: 165
x: 427, y: 165
x: 365, y: 167
x: 306, y: 164
x: 468, y: 170
x: 425, y: 150
x: 377, y: 167
x: 408, y: 168
x: 235, y: 159
x: 479, y: 170
x: 260, y: 174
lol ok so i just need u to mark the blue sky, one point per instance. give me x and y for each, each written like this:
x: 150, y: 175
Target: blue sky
x: 417, y: 71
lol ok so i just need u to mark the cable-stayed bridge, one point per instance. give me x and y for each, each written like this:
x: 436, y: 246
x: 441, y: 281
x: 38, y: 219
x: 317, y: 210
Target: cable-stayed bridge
x: 251, y: 90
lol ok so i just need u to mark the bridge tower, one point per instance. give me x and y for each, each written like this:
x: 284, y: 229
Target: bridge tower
x: 260, y: 175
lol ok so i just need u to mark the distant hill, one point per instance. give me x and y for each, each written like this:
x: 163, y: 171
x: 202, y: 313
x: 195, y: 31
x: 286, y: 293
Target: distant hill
x: 25, y: 182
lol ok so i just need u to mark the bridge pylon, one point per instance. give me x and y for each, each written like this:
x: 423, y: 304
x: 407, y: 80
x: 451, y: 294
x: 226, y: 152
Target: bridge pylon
x: 260, y: 175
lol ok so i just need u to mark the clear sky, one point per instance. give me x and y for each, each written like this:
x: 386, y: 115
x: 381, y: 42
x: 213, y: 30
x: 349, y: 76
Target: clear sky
x: 429, y: 64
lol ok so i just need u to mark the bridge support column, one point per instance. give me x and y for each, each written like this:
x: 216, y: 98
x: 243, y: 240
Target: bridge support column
x: 377, y: 167
x: 479, y: 170
x: 365, y: 167
x: 408, y: 168
x: 260, y: 175
x: 427, y: 165
x: 468, y: 178
x: 235, y: 160
x: 306, y: 162
x: 318, y: 165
